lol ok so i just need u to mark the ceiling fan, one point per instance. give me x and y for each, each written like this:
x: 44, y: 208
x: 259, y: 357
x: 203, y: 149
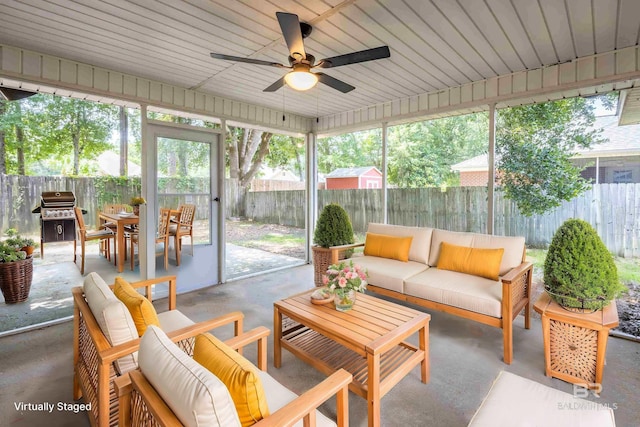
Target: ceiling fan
x: 301, y: 63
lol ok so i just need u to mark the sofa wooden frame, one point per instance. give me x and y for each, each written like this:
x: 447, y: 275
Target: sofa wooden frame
x: 94, y: 356
x: 138, y: 400
x: 516, y: 296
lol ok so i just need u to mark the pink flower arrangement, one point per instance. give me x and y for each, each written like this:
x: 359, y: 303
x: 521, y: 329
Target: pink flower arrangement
x: 345, y: 277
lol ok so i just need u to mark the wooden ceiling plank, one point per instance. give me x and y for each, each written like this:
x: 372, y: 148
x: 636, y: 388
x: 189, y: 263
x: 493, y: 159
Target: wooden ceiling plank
x: 510, y: 23
x: 379, y: 33
x: 417, y: 34
x: 488, y: 59
x: 605, y: 15
x: 536, y: 29
x: 492, y: 31
x: 581, y: 22
x: 555, y: 15
x: 628, y: 24
x: 451, y: 37
x: 122, y: 61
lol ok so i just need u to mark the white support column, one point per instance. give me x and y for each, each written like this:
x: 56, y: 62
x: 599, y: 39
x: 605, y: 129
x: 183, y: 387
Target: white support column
x: 384, y: 173
x: 147, y: 227
x: 597, y: 170
x: 492, y: 168
x: 312, y: 190
x: 222, y: 204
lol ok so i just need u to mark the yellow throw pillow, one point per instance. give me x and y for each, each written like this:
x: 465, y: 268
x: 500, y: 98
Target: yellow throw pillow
x: 475, y: 261
x: 141, y: 309
x: 237, y: 373
x: 385, y: 246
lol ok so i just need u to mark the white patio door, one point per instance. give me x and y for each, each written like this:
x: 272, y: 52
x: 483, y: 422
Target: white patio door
x: 186, y: 171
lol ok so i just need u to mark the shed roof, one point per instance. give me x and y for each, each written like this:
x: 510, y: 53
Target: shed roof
x: 351, y: 172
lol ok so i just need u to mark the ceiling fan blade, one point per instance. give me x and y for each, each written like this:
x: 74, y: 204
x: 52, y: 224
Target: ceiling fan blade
x: 290, y: 26
x: 275, y: 86
x: 247, y: 60
x: 334, y: 83
x: 355, y: 57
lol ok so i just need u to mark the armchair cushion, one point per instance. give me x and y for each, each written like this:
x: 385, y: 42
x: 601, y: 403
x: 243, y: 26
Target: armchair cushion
x: 141, y: 309
x: 113, y: 318
x: 195, y: 395
x: 237, y: 373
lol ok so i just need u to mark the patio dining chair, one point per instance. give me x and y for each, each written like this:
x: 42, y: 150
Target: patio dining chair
x: 104, y: 235
x: 114, y: 208
x: 182, y: 228
x: 162, y: 236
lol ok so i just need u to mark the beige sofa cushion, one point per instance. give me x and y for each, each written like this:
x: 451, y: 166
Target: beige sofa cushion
x: 195, y: 395
x: 419, y: 251
x: 460, y: 290
x: 278, y: 396
x: 513, y: 246
x: 113, y: 318
x: 517, y: 401
x: 388, y: 273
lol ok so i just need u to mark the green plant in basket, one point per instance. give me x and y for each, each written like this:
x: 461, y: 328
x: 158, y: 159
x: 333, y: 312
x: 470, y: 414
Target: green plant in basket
x: 579, y: 270
x: 137, y: 201
x: 333, y: 227
x: 9, y: 253
x: 16, y: 240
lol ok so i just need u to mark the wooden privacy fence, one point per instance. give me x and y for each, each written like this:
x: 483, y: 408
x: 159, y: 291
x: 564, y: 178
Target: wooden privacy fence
x: 612, y: 209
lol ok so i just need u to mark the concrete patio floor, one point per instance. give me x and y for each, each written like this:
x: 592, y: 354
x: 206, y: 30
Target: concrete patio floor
x: 465, y: 359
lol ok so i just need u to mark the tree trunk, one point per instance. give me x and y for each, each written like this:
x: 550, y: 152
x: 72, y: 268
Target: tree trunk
x: 20, y: 149
x: 76, y: 153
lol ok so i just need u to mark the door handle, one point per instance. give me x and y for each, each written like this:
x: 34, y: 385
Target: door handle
x: 217, y: 199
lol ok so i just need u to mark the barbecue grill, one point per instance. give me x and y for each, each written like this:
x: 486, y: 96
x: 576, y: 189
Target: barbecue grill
x: 57, y: 217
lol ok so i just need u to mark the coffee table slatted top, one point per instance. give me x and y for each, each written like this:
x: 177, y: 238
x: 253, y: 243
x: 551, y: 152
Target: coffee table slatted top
x: 369, y: 326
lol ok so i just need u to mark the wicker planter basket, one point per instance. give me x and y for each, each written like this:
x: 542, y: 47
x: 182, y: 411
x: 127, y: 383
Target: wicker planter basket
x: 15, y: 280
x: 322, y: 261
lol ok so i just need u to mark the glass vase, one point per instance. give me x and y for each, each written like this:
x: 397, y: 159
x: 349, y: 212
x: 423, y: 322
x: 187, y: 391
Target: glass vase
x: 344, y: 300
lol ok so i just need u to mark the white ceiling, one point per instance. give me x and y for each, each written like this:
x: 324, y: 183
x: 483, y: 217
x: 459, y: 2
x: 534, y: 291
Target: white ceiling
x: 435, y: 44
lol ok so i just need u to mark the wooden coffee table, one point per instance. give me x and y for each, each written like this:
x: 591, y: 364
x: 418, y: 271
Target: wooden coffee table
x: 368, y: 341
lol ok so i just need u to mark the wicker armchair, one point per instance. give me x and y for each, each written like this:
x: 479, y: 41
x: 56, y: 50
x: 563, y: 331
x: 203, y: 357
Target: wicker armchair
x: 94, y: 356
x: 140, y: 404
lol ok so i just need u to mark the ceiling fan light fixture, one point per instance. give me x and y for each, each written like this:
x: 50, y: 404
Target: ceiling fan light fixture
x: 301, y: 80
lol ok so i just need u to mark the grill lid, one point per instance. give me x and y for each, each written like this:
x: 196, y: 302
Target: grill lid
x: 57, y: 199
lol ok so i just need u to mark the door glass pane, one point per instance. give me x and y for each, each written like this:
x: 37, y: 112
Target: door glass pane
x: 184, y: 178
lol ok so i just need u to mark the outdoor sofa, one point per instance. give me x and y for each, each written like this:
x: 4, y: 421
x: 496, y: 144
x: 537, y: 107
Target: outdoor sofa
x: 481, y: 277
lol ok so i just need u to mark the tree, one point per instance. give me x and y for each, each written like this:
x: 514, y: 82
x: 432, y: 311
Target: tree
x: 534, y: 144
x: 350, y: 150
x: 421, y: 154
x: 287, y: 152
x: 246, y: 151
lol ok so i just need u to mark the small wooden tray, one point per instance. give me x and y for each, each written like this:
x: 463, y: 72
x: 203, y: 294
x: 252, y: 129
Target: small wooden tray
x: 321, y: 301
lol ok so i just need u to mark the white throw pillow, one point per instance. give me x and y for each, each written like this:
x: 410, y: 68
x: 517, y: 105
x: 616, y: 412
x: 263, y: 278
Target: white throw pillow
x: 113, y: 318
x: 194, y: 394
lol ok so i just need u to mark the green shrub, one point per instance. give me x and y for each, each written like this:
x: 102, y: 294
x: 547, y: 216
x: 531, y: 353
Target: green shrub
x: 333, y: 227
x: 579, y: 269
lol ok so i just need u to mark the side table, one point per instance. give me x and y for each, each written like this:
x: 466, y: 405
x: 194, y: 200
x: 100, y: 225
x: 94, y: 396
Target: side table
x: 575, y: 343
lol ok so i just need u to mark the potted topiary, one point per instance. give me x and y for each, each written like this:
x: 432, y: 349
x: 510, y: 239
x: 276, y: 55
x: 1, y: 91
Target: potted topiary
x: 332, y: 229
x: 581, y: 281
x: 579, y: 271
x: 16, y: 269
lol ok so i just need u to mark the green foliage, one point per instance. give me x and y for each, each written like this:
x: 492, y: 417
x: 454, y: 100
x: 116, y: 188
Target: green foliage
x: 534, y: 144
x: 579, y: 266
x: 350, y: 150
x: 10, y: 247
x: 421, y: 154
x: 333, y: 227
x: 16, y: 241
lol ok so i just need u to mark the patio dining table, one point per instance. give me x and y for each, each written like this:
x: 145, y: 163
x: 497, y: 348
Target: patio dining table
x: 121, y: 221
